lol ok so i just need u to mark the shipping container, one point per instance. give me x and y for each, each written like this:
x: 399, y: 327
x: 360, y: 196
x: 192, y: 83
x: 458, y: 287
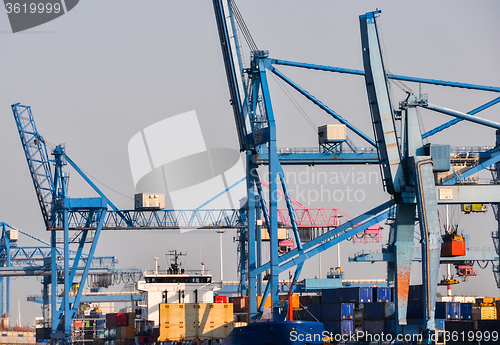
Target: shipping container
x: 484, y: 313
x: 313, y: 312
x: 316, y: 299
x: 356, y: 295
x: 381, y: 294
x: 489, y: 301
x: 378, y: 311
x: 489, y: 330
x: 374, y: 327
x: 415, y: 293
x: 345, y: 327
x: 121, y: 319
x: 453, y: 247
x: 240, y: 304
x: 295, y: 300
x: 337, y: 311
x: 305, y: 300
x: 111, y: 320
x: 459, y: 326
x: 415, y: 310
x: 448, y: 310
x: 191, y: 321
x: 466, y: 311
x: 329, y: 296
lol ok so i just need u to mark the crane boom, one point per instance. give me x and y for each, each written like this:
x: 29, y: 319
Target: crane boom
x: 233, y: 71
x: 380, y: 105
x: 38, y: 159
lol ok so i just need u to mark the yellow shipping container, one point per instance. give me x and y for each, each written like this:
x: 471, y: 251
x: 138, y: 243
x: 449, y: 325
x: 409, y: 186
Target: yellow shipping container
x: 484, y: 313
x: 295, y: 300
x: 172, y: 322
x: 267, y: 304
x: 193, y: 321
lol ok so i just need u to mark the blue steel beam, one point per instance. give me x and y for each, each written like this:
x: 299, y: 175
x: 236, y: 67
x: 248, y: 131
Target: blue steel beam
x: 233, y: 69
x: 376, y: 214
x: 273, y: 170
x: 289, y: 206
x: 380, y: 105
x: 462, y: 116
x: 37, y: 157
x: 323, y: 106
x: 390, y: 76
x: 457, y: 120
x: 471, y: 255
x: 468, y: 194
x: 94, y: 298
x: 160, y: 219
x: 252, y: 209
x: 339, y: 238
x: 85, y: 273
x: 431, y: 237
x: 405, y: 227
x: 474, y: 170
x: 322, y: 158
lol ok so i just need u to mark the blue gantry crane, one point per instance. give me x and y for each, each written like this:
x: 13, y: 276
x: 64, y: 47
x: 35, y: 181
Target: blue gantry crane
x: 81, y: 220
x: 25, y: 261
x: 408, y: 166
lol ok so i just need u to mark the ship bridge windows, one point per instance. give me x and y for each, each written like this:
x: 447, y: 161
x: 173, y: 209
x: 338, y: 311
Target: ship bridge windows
x: 178, y: 280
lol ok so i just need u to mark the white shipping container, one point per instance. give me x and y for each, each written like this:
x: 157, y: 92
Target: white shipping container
x: 149, y: 201
x: 332, y: 133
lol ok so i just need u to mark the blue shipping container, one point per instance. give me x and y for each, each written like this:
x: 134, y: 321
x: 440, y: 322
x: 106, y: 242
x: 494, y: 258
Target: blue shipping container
x: 466, y: 311
x: 338, y: 311
x: 345, y: 327
x: 356, y: 295
x: 379, y: 311
x: 448, y: 310
x: 415, y: 293
x: 381, y: 294
x: 374, y: 327
x: 329, y: 296
x: 313, y: 312
x: 415, y: 310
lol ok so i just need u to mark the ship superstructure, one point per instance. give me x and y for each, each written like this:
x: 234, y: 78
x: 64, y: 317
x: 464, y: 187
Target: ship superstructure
x: 174, y: 285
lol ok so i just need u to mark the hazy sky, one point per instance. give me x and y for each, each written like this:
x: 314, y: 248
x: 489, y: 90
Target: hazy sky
x: 101, y: 73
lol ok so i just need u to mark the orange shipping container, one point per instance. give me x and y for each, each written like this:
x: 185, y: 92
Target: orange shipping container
x: 453, y: 248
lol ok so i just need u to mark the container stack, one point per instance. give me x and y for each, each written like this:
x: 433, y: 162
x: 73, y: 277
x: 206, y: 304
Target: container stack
x: 484, y: 309
x: 195, y: 321
x: 86, y: 329
x: 240, y: 308
x: 338, y: 309
x: 120, y: 330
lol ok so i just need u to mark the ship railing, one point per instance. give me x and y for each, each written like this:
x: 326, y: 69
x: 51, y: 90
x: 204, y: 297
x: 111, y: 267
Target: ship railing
x: 185, y: 272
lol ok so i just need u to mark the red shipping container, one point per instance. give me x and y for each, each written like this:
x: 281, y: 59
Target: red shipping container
x: 121, y: 319
x: 453, y: 248
x: 111, y: 320
x: 220, y: 299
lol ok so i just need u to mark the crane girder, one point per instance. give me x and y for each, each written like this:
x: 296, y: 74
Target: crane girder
x: 380, y: 105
